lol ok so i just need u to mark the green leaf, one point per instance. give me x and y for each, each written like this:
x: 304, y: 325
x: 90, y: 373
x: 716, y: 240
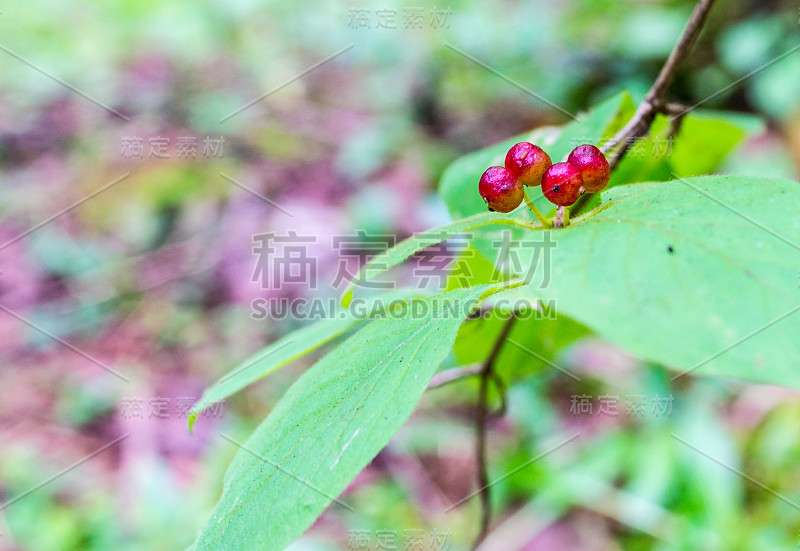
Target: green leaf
x: 706, y: 138
x: 331, y: 423
x: 285, y: 350
x: 403, y: 250
x: 698, y: 274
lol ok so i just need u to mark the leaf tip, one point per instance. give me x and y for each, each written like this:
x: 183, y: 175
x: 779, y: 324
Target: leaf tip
x: 347, y: 298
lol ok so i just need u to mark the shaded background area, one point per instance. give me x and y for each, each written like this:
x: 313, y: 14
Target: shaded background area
x: 152, y: 276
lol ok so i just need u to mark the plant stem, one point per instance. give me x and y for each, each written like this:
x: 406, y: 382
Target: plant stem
x: 545, y: 222
x: 559, y: 219
x: 455, y: 374
x: 481, y: 415
x: 654, y: 102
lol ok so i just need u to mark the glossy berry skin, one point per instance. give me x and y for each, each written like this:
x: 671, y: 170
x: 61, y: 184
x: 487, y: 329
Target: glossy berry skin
x: 528, y: 163
x: 562, y: 184
x: 500, y: 190
x: 593, y: 166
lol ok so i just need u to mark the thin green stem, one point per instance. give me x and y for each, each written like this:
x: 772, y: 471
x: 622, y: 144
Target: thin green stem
x: 545, y: 222
x: 566, y: 216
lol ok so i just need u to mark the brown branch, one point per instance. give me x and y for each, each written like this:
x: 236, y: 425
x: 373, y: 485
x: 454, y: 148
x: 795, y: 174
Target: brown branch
x: 558, y: 219
x: 655, y: 99
x: 655, y: 102
x: 481, y: 416
x: 676, y: 111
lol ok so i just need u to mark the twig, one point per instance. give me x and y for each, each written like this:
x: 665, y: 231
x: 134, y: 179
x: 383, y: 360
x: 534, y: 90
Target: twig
x: 455, y: 374
x: 559, y: 218
x: 676, y: 111
x: 481, y: 416
x: 654, y: 102
x: 501, y: 390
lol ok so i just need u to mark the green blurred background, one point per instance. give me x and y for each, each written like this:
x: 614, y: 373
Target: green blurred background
x: 152, y: 276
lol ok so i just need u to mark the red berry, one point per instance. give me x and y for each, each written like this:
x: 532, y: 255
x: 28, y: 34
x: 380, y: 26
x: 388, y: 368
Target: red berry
x: 501, y: 191
x: 528, y: 163
x: 593, y: 166
x: 562, y: 184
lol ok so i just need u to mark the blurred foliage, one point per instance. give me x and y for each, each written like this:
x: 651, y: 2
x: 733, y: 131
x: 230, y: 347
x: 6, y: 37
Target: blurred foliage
x: 152, y: 275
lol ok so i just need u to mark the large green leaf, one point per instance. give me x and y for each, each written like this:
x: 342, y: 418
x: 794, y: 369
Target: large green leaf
x: 331, y: 423
x: 699, y: 274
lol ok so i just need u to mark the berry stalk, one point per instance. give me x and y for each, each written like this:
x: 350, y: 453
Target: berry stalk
x: 536, y: 212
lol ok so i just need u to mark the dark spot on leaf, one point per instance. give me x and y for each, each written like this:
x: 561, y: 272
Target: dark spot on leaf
x: 670, y: 250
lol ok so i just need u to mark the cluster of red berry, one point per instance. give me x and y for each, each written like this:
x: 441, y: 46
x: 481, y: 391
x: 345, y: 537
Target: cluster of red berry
x: 585, y: 170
